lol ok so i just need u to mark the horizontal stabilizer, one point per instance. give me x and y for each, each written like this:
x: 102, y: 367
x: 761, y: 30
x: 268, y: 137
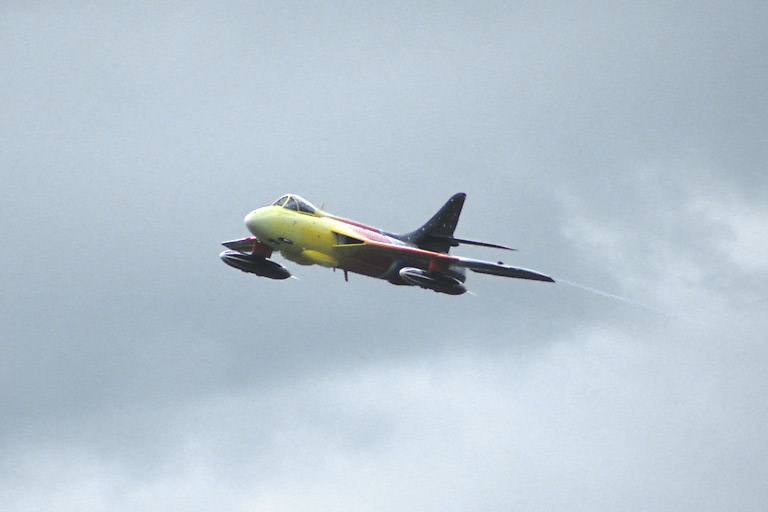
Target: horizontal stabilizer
x: 498, y: 269
x: 455, y: 242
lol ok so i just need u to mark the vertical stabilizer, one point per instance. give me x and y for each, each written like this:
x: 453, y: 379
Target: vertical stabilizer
x: 437, y: 234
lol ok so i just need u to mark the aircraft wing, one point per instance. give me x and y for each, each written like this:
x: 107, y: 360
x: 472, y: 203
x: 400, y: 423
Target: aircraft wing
x: 242, y: 245
x: 408, y: 253
x: 498, y: 269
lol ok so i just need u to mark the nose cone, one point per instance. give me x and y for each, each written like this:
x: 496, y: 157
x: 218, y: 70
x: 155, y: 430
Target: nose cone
x: 252, y: 221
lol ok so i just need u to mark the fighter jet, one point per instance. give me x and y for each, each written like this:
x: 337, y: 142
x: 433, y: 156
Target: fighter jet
x: 307, y: 235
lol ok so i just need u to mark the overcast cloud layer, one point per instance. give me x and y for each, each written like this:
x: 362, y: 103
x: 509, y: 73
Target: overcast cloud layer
x: 620, y: 148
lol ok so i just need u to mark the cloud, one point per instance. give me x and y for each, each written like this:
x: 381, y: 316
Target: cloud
x: 744, y: 244
x: 633, y: 419
x: 681, y: 239
x: 620, y: 148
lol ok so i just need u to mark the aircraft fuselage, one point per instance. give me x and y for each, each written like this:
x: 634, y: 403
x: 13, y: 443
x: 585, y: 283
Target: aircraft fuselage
x: 319, y: 239
x: 308, y: 236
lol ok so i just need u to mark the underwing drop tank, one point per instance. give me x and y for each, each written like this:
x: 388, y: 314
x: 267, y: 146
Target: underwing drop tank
x: 432, y: 280
x: 254, y: 264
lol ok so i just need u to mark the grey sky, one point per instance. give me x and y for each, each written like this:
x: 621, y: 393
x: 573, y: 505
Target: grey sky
x: 623, y: 148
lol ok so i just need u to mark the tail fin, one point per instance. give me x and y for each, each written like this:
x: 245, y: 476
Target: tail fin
x: 437, y: 234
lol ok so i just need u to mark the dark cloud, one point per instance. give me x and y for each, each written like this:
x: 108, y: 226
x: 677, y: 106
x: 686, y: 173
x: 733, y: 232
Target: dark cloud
x: 619, y: 148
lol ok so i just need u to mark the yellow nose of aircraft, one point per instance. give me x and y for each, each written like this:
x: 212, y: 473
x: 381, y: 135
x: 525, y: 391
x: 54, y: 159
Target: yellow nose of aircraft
x: 252, y: 221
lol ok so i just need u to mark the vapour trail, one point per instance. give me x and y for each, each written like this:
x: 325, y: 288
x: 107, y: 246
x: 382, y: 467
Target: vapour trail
x: 616, y: 297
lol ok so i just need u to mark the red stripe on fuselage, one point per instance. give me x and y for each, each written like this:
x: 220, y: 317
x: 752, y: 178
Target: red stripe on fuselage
x: 373, y: 236
x: 366, y: 232
x: 356, y: 224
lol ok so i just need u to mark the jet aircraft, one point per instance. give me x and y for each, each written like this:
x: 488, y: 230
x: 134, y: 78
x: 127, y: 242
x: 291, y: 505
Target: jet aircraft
x: 307, y: 235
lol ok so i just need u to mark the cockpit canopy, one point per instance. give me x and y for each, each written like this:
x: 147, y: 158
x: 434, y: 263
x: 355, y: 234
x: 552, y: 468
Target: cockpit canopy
x: 295, y: 203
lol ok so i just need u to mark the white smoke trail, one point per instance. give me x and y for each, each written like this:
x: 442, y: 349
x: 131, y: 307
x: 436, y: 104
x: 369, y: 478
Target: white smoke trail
x: 616, y: 297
